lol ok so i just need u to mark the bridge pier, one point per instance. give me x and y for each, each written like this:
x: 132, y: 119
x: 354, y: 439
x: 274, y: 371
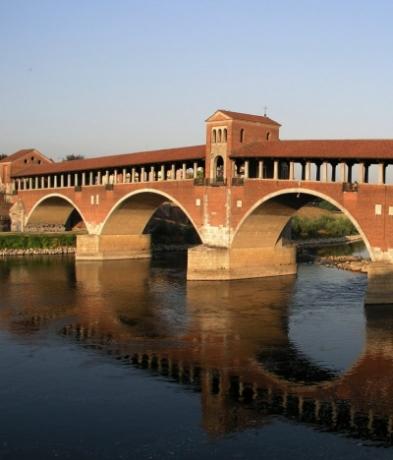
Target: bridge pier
x: 111, y: 247
x: 216, y: 263
x: 380, y: 284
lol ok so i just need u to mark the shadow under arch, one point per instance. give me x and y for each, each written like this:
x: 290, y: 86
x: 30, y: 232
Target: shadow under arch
x: 54, y: 209
x: 266, y: 220
x: 131, y: 214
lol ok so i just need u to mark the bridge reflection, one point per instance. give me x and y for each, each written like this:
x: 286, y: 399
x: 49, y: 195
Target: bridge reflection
x: 229, y: 343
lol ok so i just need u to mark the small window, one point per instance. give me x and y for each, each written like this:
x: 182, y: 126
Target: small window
x: 39, y: 162
x: 225, y: 135
x: 214, y: 136
x: 32, y: 158
x: 25, y: 160
x: 242, y: 135
x: 268, y: 134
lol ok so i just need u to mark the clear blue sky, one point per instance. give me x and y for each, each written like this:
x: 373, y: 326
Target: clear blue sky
x: 97, y: 77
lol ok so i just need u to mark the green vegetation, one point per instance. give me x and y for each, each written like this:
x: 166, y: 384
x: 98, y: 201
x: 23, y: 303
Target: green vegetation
x: 322, y: 227
x: 36, y: 241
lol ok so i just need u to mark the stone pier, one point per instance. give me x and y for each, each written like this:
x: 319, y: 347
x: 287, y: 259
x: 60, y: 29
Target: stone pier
x: 380, y: 284
x: 111, y: 247
x: 215, y: 263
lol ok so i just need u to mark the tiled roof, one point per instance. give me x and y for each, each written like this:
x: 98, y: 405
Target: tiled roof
x: 249, y: 117
x: 18, y: 154
x: 117, y: 161
x: 329, y: 149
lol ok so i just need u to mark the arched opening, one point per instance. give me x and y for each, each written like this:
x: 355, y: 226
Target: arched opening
x: 268, y: 135
x: 225, y: 135
x: 214, y: 136
x: 154, y: 214
x: 55, y: 214
x: 218, y: 168
x: 219, y: 135
x: 270, y: 222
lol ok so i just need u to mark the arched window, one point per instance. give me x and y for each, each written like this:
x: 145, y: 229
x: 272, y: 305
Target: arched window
x: 268, y: 134
x: 214, y: 136
x: 242, y: 135
x: 219, y: 169
x: 225, y: 135
x: 219, y: 135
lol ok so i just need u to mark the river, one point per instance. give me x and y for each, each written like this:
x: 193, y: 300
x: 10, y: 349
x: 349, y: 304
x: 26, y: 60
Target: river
x: 127, y: 360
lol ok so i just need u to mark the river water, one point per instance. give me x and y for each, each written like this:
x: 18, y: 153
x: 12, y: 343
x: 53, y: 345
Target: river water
x: 127, y: 360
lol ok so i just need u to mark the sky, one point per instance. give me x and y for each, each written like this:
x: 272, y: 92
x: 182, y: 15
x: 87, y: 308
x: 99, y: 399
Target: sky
x: 95, y: 77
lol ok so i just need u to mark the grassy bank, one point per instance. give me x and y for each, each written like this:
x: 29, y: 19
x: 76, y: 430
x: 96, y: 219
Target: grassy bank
x: 324, y: 226
x: 36, y: 240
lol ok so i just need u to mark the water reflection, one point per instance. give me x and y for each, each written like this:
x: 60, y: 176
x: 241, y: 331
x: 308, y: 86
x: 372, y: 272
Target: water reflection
x: 245, y: 345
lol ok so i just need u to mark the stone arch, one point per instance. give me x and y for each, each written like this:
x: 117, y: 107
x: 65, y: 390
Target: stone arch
x: 133, y: 211
x: 218, y: 168
x: 53, y: 210
x: 263, y: 224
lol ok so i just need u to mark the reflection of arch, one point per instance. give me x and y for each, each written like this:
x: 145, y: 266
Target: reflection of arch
x: 131, y: 213
x: 280, y: 207
x: 218, y: 168
x: 53, y: 209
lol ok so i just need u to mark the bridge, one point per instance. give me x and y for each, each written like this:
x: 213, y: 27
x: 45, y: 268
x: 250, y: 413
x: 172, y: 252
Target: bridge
x: 238, y: 190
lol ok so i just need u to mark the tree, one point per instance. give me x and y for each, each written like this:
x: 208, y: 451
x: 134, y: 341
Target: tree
x: 73, y: 157
x: 2, y: 156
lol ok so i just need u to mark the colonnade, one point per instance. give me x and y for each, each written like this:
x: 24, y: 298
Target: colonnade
x: 321, y: 171
x: 110, y: 177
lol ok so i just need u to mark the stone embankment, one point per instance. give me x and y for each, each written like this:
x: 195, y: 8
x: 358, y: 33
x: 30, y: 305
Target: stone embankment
x: 351, y: 263
x: 37, y: 251
x: 323, y: 242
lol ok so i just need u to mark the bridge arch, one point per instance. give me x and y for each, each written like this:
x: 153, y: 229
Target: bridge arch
x: 53, y: 209
x: 268, y: 216
x: 131, y: 213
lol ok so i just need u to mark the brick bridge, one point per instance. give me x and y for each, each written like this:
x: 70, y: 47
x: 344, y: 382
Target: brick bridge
x: 239, y: 191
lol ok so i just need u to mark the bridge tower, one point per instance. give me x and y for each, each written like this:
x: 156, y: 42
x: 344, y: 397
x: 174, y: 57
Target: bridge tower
x: 227, y: 131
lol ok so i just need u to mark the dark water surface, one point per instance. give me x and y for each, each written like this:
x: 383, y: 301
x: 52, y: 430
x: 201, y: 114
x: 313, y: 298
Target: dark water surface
x: 126, y: 360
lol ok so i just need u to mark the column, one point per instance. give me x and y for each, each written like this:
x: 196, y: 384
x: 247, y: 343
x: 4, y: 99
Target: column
x: 152, y: 174
x: 142, y: 178
x: 308, y: 170
x: 35, y: 185
x: 343, y: 175
x: 246, y: 169
x: 381, y: 173
x: 76, y: 180
x: 195, y: 169
x: 260, y: 169
x: 30, y: 183
x: 83, y: 179
x: 362, y: 173
x: 107, y: 177
x: 162, y: 172
x: 68, y: 180
x: 133, y: 175
x: 91, y: 178
x: 184, y: 170
x: 173, y: 172
x: 55, y: 181
x: 62, y: 180
x: 49, y: 182
x: 42, y: 182
x: 115, y: 176
x: 124, y: 175
x: 324, y: 171
x: 275, y: 170
x: 291, y: 170
x: 99, y: 178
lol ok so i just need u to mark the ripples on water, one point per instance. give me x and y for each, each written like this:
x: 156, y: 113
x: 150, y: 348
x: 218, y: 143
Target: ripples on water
x: 126, y: 359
